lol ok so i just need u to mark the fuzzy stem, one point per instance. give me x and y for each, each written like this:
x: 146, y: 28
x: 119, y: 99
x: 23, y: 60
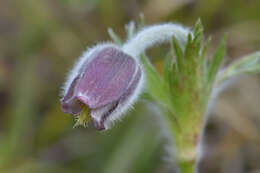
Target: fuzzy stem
x: 153, y: 35
x: 186, y: 167
x: 186, y: 142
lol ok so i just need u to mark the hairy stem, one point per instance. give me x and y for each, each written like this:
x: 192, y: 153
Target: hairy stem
x: 153, y: 35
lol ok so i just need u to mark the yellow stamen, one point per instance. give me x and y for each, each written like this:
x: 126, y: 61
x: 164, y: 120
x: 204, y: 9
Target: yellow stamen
x: 83, y: 117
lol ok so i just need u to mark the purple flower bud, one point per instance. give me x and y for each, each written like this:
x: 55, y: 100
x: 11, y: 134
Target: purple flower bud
x: 102, y: 86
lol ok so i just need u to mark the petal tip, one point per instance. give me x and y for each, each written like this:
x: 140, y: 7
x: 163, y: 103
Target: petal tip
x: 99, y: 124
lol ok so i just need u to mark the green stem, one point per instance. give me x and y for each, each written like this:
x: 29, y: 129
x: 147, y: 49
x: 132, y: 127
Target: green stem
x: 187, y: 167
x: 186, y: 153
x: 186, y: 140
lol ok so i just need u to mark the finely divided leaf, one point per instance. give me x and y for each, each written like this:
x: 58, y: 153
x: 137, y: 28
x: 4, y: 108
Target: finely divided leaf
x: 247, y: 64
x: 217, y: 60
x: 154, y: 83
x: 167, y: 67
x: 179, y: 54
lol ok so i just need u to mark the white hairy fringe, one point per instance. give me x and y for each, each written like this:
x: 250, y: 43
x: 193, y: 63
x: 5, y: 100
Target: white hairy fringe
x: 153, y: 35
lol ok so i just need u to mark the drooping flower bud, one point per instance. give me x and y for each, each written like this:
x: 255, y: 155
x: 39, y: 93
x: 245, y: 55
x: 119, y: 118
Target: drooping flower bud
x: 102, y: 86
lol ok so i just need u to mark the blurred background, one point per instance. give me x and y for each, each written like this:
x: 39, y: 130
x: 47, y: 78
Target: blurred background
x: 41, y: 39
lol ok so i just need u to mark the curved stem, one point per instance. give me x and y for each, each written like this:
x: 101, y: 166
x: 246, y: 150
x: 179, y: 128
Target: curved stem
x: 153, y: 35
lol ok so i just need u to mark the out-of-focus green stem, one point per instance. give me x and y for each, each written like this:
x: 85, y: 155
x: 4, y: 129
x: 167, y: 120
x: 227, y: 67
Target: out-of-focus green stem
x: 185, y: 130
x: 186, y: 167
x: 186, y: 143
x: 186, y: 153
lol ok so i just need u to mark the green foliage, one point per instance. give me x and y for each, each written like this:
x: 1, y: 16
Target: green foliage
x: 216, y: 62
x: 184, y: 90
x: 156, y: 86
x: 187, y: 77
x: 245, y: 65
x: 114, y: 37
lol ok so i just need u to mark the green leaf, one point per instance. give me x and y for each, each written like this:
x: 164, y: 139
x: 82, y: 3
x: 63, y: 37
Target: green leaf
x: 114, y: 37
x: 247, y: 64
x: 188, y: 48
x: 179, y: 54
x: 217, y: 60
x: 204, y: 52
x: 154, y: 83
x: 198, y: 29
x: 167, y: 67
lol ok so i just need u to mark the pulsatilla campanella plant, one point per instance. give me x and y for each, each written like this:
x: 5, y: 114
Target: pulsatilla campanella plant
x: 108, y: 79
x: 102, y: 85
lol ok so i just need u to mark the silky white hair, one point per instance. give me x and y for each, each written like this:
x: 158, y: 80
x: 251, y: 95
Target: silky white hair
x: 153, y: 35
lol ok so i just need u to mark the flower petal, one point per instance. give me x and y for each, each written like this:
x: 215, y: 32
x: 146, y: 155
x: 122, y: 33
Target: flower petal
x: 99, y: 115
x: 69, y: 103
x: 105, y: 116
x: 106, y: 77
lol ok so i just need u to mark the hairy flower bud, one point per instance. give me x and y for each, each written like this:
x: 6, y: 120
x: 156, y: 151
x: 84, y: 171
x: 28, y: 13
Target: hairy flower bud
x: 102, y: 86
